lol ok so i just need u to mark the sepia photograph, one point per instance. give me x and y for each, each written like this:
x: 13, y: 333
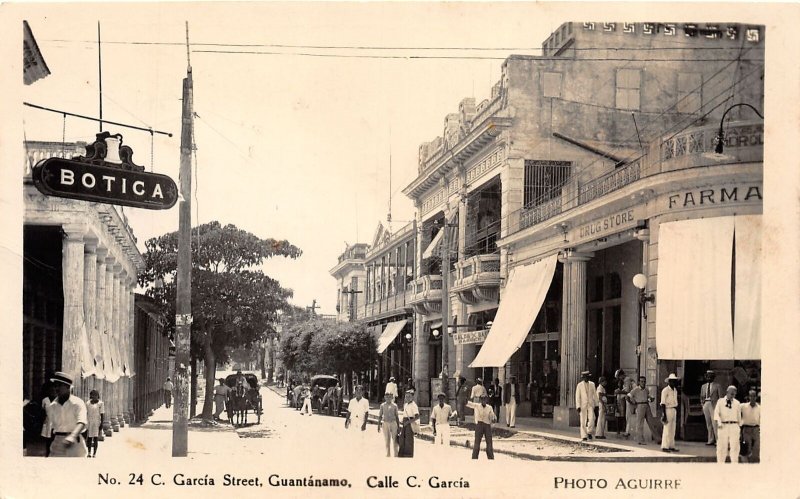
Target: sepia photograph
x: 432, y: 249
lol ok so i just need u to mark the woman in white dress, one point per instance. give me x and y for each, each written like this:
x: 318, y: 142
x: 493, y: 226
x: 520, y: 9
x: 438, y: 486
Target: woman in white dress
x: 95, y: 412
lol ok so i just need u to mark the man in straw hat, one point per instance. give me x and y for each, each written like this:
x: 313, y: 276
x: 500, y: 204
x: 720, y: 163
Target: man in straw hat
x: 585, y: 402
x: 710, y: 393
x: 69, y: 419
x: 669, y: 409
x: 728, y: 418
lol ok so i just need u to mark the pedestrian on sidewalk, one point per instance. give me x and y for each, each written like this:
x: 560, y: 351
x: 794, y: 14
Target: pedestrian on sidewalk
x: 710, y: 393
x: 462, y: 395
x: 751, y: 423
x: 389, y: 424
x: 585, y: 402
x: 391, y: 387
x: 305, y: 394
x: 669, y: 408
x: 95, y: 414
x: 639, y: 398
x: 511, y: 399
x: 621, y: 396
x: 69, y: 420
x: 484, y: 417
x: 602, y: 400
x: 357, y: 412
x: 409, y: 418
x: 221, y: 392
x: 478, y: 391
x: 441, y: 414
x: 47, y: 425
x: 496, y: 397
x: 728, y: 417
x: 168, y: 386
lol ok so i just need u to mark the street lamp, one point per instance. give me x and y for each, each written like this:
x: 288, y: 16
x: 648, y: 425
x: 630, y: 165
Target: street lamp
x: 640, y: 281
x: 720, y: 139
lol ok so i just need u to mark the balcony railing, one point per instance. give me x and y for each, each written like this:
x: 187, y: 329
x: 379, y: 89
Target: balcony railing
x: 539, y: 213
x: 617, y: 179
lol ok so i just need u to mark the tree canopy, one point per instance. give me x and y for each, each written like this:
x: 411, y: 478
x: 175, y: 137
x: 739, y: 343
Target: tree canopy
x: 233, y: 302
x: 324, y: 346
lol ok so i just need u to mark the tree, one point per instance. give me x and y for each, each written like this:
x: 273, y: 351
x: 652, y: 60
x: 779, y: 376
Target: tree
x: 232, y: 300
x: 323, y: 346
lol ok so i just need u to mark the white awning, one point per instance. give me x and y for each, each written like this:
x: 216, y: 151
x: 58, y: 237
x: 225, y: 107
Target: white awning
x: 434, y: 245
x: 747, y: 309
x: 391, y: 331
x: 693, y: 297
x: 522, y: 299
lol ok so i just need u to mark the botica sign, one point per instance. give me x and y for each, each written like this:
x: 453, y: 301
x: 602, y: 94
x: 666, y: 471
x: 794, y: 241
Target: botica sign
x: 100, y: 179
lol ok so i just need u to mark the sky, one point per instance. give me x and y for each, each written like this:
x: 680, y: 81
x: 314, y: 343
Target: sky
x: 289, y: 146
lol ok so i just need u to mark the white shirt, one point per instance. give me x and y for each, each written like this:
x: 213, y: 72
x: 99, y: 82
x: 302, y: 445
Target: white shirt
x: 483, y: 413
x: 410, y: 410
x: 67, y: 415
x: 391, y: 387
x: 441, y: 414
x: 724, y: 414
x: 477, y: 392
x: 751, y: 415
x: 669, y: 397
x: 358, y: 409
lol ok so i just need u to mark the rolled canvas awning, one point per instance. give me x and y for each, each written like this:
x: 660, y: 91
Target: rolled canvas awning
x: 693, y: 319
x: 389, y: 334
x: 521, y: 301
x: 747, y: 312
x: 434, y: 248
x: 434, y: 245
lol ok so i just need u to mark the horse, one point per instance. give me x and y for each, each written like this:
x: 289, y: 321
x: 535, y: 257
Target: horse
x: 237, y: 405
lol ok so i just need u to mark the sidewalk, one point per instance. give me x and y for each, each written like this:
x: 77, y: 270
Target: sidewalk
x: 135, y: 441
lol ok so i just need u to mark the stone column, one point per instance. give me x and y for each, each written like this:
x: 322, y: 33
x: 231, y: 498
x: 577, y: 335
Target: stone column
x: 573, y: 335
x: 118, y: 339
x: 89, y: 298
x: 111, y: 397
x: 132, y: 344
x: 100, y: 325
x: 421, y: 347
x: 72, y: 275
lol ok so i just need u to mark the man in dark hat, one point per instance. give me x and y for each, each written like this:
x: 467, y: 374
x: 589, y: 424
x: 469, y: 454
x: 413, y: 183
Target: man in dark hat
x: 710, y: 392
x: 585, y: 402
x: 69, y: 419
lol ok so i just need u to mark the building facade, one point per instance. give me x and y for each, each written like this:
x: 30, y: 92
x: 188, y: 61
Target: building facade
x: 556, y: 191
x: 350, y: 275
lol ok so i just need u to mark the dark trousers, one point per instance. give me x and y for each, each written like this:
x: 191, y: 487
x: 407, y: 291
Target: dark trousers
x: 483, y: 430
x: 496, y: 406
x: 167, y: 398
x: 752, y: 435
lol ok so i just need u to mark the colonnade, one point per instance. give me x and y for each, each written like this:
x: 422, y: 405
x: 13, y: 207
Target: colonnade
x: 98, y: 303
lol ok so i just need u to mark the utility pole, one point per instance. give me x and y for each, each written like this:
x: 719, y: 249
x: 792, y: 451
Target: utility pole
x: 445, y: 303
x: 183, y: 306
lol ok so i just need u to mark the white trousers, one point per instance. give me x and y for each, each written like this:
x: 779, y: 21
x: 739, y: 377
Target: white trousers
x: 586, y: 420
x: 668, y: 437
x: 601, y: 421
x: 442, y: 434
x: 511, y: 412
x: 728, y: 437
x: 307, y: 405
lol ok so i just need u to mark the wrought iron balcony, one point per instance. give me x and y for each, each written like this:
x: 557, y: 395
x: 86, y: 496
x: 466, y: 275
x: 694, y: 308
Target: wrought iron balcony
x: 427, y: 297
x: 478, y: 279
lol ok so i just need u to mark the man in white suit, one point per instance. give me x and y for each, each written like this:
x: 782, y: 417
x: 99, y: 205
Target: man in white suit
x: 585, y: 402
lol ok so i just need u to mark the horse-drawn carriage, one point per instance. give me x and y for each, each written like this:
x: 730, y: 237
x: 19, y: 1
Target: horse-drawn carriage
x: 244, y: 396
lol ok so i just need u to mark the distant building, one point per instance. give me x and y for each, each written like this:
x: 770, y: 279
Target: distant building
x: 350, y: 275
